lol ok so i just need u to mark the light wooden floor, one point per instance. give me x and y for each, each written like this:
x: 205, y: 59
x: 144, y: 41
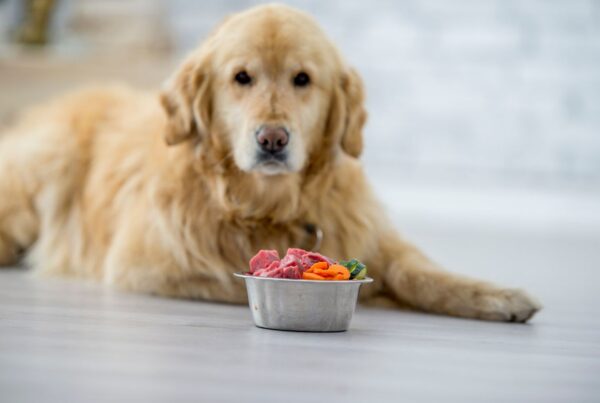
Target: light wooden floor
x: 65, y: 340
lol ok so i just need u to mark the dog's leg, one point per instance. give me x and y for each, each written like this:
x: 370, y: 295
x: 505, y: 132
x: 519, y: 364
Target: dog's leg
x: 166, y: 280
x: 137, y: 261
x: 8, y: 251
x: 18, y: 221
x: 417, y: 281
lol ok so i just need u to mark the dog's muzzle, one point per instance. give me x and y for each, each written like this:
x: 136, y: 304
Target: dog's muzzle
x: 272, y: 144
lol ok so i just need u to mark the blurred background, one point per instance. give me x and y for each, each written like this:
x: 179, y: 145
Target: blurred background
x: 484, y: 127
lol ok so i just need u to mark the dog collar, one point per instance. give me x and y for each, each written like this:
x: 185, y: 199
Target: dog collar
x: 316, y: 233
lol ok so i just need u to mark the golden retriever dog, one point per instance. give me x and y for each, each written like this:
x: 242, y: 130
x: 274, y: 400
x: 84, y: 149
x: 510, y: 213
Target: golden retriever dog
x: 253, y: 143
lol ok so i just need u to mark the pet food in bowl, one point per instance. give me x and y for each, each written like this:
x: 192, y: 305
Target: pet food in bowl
x: 304, y: 291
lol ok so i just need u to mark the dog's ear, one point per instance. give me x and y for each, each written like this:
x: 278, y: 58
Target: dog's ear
x: 348, y: 114
x: 186, y: 101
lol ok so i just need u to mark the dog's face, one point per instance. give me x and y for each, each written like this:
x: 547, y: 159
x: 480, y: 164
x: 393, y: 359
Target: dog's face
x: 272, y: 94
x: 268, y: 90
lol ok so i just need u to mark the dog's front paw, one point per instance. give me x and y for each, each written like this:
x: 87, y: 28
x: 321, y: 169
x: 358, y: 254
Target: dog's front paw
x: 508, y: 305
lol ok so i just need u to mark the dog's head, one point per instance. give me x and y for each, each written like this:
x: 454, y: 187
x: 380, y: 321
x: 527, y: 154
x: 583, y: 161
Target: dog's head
x: 268, y: 90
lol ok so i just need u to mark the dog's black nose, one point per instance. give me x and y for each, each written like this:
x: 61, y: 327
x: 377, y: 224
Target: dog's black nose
x: 272, y: 139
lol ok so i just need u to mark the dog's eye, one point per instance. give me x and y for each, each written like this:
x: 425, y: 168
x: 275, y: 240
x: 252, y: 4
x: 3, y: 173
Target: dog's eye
x: 243, y: 78
x: 301, y: 80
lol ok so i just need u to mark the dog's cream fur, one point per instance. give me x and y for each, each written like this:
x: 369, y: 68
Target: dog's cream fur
x: 158, y: 194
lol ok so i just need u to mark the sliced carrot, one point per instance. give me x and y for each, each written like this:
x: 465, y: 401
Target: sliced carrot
x: 340, y: 272
x: 318, y: 265
x: 311, y: 276
x: 323, y: 271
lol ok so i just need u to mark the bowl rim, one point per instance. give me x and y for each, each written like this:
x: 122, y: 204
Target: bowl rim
x: 366, y: 280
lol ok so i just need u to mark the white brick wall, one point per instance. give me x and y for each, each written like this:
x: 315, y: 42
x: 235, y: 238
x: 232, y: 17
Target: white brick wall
x: 498, y: 89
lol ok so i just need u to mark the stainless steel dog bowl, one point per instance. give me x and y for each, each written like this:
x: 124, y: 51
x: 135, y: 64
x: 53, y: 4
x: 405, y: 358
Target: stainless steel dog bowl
x: 302, y: 305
